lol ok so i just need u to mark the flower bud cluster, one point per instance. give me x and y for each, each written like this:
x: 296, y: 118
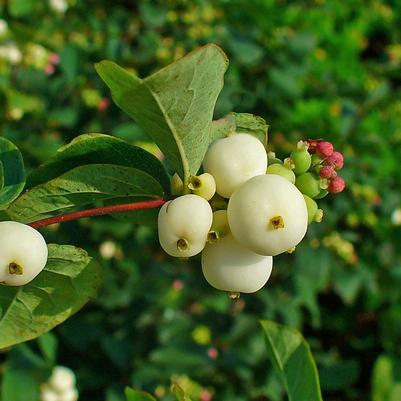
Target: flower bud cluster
x: 246, y: 207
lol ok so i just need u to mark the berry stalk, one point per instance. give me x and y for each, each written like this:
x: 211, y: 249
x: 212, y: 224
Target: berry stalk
x: 99, y: 211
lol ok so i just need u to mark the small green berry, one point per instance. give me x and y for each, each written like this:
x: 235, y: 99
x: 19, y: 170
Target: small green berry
x: 301, y: 158
x: 308, y: 184
x: 312, y: 207
x: 280, y: 169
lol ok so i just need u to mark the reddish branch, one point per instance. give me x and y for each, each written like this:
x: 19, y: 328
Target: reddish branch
x: 99, y: 211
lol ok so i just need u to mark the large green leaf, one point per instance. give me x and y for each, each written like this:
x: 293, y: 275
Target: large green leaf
x: 68, y: 281
x: 386, y: 379
x: 175, y: 105
x: 292, y: 360
x: 82, y: 186
x: 135, y: 395
x: 99, y: 149
x: 12, y: 174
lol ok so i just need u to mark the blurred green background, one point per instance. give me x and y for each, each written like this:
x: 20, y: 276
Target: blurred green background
x: 323, y: 68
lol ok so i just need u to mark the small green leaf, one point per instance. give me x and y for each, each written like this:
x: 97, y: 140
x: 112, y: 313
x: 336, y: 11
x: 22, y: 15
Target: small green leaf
x: 253, y: 125
x: 13, y: 172
x: 222, y: 127
x: 83, y: 186
x: 293, y: 362
x: 135, y: 395
x: 175, y: 105
x: 48, y: 345
x: 179, y: 392
x: 99, y: 149
x: 385, y: 385
x: 68, y: 281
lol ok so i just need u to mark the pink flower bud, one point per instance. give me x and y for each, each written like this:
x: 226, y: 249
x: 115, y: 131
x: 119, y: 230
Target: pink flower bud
x: 324, y: 148
x: 54, y: 58
x: 336, y: 160
x: 103, y: 104
x: 213, y: 353
x: 178, y: 285
x: 337, y: 184
x: 205, y: 395
x: 327, y: 172
x: 49, y: 69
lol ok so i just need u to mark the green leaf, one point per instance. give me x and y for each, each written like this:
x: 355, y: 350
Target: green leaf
x: 175, y: 105
x: 135, y: 395
x: 293, y: 362
x: 179, y: 392
x: 253, y: 125
x: 1, y: 175
x: 99, y: 149
x: 21, y: 8
x: 386, y: 380
x: 222, y: 127
x: 68, y: 281
x: 82, y: 186
x: 13, y: 172
x: 48, y: 345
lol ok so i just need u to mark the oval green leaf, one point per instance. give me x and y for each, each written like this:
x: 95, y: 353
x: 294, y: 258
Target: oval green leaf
x: 83, y: 186
x: 99, y: 149
x: 135, y: 395
x: 12, y: 172
x: 292, y: 360
x: 175, y: 105
x: 68, y: 281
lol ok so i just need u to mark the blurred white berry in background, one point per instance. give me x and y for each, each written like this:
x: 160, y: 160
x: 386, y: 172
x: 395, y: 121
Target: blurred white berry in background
x: 396, y: 217
x: 60, y: 6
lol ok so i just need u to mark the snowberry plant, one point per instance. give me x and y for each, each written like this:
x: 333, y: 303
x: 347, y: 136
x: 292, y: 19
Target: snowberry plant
x: 218, y: 192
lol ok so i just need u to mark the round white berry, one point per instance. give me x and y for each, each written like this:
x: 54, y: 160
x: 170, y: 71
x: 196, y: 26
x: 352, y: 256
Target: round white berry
x: 268, y: 215
x: 62, y: 379
x: 234, y: 160
x: 229, y: 266
x: 23, y: 253
x: 183, y: 225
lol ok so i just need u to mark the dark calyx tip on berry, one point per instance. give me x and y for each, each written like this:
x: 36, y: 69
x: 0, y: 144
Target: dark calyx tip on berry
x: 277, y: 222
x: 15, y: 268
x: 234, y: 295
x: 213, y: 236
x: 194, y: 183
x: 182, y: 245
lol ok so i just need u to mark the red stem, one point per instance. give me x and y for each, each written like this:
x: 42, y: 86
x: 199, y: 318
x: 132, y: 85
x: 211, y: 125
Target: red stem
x: 99, y: 211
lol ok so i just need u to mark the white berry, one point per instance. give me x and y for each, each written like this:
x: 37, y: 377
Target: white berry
x: 268, y: 215
x: 62, y: 379
x: 229, y: 266
x: 23, y: 253
x: 48, y: 394
x: 183, y: 225
x: 234, y: 160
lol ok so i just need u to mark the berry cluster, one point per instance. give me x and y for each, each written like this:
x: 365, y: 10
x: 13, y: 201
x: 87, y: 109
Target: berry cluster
x: 247, y: 207
x: 60, y: 386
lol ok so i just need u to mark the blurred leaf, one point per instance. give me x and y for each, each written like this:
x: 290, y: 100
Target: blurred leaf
x: 386, y: 379
x: 13, y: 172
x: 292, y: 361
x: 82, y: 186
x: 99, y: 149
x: 69, y: 61
x: 222, y: 127
x: 179, y: 393
x: 68, y: 281
x: 175, y: 105
x: 48, y: 345
x: 1, y: 175
x: 135, y: 395
x: 21, y: 8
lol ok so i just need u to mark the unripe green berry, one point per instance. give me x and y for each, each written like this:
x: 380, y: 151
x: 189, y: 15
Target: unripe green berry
x: 302, y: 160
x: 283, y: 171
x: 229, y: 266
x: 183, y: 225
x: 308, y: 184
x: 220, y: 227
x: 272, y: 159
x: 312, y: 208
x: 203, y: 185
x: 23, y: 253
x: 268, y: 215
x: 234, y: 160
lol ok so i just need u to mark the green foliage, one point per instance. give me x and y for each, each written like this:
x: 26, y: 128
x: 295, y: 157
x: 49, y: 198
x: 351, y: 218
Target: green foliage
x: 293, y: 361
x: 68, y: 281
x: 12, y: 172
x: 175, y: 105
x: 135, y: 395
